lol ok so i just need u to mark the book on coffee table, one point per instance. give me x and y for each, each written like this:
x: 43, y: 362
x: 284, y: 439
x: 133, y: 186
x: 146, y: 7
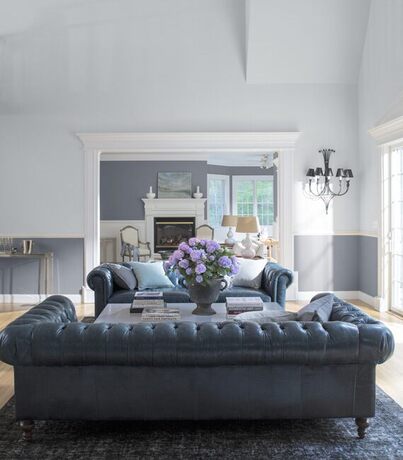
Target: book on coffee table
x: 138, y: 305
x: 160, y: 314
x: 237, y: 305
x: 148, y: 295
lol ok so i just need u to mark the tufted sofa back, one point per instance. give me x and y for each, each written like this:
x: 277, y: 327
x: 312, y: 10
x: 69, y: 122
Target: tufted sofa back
x: 49, y: 335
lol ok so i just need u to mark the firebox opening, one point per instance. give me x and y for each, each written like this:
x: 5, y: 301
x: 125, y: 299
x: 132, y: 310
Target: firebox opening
x: 170, y: 231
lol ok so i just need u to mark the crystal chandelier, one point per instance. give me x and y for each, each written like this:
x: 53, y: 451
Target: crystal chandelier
x: 321, y: 184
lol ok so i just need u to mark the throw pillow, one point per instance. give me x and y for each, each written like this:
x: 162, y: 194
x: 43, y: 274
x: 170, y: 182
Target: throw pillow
x: 122, y: 276
x: 250, y: 273
x: 262, y: 317
x: 318, y: 310
x: 151, y: 276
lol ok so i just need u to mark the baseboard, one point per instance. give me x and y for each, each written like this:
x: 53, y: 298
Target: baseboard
x: 33, y: 298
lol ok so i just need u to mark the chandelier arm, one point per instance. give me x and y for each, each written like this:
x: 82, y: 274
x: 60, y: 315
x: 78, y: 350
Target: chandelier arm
x: 311, y: 191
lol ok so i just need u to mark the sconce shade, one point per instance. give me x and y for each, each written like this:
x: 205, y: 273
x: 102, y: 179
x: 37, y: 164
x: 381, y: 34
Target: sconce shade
x: 310, y: 172
x: 348, y: 173
x: 318, y: 172
x: 247, y: 224
x: 339, y: 173
x: 229, y: 221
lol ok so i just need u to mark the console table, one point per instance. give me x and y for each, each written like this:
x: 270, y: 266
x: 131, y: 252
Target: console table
x: 45, y: 272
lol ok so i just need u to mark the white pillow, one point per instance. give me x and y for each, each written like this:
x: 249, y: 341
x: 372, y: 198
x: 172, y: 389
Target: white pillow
x: 267, y: 316
x: 250, y: 273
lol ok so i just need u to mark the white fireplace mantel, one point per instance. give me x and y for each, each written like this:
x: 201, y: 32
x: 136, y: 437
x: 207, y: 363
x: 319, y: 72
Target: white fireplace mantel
x: 171, y: 207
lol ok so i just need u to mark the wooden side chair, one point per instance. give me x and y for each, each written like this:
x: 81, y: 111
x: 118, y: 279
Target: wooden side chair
x: 131, y: 246
x: 205, y: 232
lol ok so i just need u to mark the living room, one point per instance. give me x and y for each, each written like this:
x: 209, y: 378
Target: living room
x: 272, y: 128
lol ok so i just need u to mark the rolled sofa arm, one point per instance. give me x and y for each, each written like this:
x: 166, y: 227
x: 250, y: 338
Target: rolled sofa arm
x: 275, y: 281
x: 101, y: 282
x: 16, y: 339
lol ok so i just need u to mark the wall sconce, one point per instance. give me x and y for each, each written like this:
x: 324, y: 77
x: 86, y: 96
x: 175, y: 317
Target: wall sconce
x: 320, y: 180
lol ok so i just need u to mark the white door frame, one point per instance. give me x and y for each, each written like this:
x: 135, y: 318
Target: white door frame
x: 387, y: 135
x: 186, y: 145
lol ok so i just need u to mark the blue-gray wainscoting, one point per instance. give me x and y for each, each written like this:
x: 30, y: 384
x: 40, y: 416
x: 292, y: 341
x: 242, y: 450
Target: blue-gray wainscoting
x: 336, y: 263
x: 20, y: 276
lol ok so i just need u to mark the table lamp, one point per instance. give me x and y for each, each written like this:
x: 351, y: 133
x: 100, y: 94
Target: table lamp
x: 248, y: 224
x: 229, y: 221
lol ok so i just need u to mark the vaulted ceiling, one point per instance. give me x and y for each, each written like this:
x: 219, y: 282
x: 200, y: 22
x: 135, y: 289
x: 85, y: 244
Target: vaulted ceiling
x: 305, y: 41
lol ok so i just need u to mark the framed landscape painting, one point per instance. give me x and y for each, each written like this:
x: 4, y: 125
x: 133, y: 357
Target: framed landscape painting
x: 174, y: 185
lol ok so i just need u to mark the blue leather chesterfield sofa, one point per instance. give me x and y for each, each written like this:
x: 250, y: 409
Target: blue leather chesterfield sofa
x: 68, y: 370
x: 275, y: 281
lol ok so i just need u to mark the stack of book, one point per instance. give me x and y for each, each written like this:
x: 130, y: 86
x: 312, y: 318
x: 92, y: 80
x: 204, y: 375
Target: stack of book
x: 160, y: 314
x: 238, y: 305
x: 146, y: 299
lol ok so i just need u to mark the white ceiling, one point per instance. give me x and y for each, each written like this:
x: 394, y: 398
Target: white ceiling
x: 305, y: 41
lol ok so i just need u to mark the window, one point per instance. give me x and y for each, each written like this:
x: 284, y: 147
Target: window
x: 253, y: 195
x: 218, y: 198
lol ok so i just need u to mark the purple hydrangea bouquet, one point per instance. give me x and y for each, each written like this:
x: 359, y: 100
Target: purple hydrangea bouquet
x: 203, y: 264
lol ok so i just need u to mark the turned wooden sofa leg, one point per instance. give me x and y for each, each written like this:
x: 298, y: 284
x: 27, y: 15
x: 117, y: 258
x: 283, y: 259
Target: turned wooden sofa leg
x: 362, y: 425
x: 27, y: 427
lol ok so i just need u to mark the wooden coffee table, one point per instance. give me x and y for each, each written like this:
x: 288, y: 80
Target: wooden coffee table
x: 115, y: 313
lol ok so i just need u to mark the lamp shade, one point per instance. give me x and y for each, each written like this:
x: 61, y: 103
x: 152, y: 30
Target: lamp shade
x: 229, y: 221
x: 247, y: 224
x: 310, y: 172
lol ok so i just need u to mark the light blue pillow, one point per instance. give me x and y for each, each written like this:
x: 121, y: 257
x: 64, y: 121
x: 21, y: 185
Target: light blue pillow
x: 150, y: 276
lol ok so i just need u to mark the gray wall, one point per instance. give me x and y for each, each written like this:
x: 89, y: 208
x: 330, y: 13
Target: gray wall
x: 336, y: 263
x: 368, y: 265
x: 20, y: 276
x: 124, y: 183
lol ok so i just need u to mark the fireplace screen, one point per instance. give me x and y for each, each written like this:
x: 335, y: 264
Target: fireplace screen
x: 170, y: 231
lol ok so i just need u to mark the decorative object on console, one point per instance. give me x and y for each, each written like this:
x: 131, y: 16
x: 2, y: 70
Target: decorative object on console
x: 198, y: 193
x: 203, y: 266
x: 6, y: 245
x: 248, y: 224
x: 174, y: 185
x: 27, y: 246
x: 150, y: 195
x: 324, y: 188
x: 266, y: 162
x: 229, y: 221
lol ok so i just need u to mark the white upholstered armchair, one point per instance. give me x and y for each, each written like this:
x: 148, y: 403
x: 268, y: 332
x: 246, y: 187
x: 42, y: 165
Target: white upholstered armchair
x: 131, y: 246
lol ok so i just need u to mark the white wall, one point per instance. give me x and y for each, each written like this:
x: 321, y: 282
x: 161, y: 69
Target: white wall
x: 380, y: 96
x: 149, y: 66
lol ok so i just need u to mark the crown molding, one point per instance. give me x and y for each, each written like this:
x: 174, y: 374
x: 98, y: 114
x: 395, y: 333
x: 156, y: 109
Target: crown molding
x: 203, y: 142
x: 388, y: 132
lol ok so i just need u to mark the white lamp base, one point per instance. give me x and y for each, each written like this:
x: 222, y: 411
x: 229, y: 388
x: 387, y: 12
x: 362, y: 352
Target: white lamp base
x: 230, y: 238
x: 248, y: 252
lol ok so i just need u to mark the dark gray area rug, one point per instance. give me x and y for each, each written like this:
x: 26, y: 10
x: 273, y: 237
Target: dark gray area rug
x: 277, y: 439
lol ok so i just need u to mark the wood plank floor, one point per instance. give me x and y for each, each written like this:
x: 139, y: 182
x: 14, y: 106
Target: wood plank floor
x: 389, y: 375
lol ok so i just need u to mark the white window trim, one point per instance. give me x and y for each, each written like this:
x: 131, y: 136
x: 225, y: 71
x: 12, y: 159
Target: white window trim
x: 388, y: 136
x: 225, y: 178
x: 236, y: 180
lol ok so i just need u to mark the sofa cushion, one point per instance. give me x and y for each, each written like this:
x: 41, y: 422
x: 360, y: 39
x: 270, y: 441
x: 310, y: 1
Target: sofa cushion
x: 318, y: 310
x: 122, y: 276
x: 267, y: 316
x: 151, y: 276
x: 250, y: 273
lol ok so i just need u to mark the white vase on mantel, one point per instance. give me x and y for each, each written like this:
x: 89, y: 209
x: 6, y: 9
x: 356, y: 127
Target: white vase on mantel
x: 198, y: 194
x: 150, y: 195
